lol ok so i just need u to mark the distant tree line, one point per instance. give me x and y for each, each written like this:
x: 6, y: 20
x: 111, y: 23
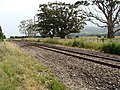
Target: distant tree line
x: 12, y: 37
x: 59, y: 19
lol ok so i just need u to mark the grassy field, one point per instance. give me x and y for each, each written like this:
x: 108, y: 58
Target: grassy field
x: 111, y: 46
x: 19, y: 71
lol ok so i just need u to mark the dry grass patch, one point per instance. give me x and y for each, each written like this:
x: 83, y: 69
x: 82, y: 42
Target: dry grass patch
x: 19, y: 71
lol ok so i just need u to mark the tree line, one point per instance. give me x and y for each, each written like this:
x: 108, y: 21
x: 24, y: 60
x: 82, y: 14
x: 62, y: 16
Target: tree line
x: 59, y: 19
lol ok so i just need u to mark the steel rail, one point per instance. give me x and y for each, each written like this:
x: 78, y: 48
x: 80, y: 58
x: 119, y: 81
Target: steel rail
x: 92, y: 55
x: 72, y: 53
x: 65, y: 52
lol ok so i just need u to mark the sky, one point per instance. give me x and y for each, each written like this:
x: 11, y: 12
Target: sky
x: 12, y: 12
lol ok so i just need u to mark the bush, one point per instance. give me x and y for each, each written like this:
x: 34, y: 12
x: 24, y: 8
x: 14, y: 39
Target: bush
x: 108, y: 47
x: 83, y: 44
x: 111, y: 47
x: 75, y: 43
x: 56, y: 85
x: 51, y: 83
x: 78, y: 43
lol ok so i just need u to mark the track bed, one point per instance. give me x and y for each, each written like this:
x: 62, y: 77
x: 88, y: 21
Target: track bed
x: 76, y: 73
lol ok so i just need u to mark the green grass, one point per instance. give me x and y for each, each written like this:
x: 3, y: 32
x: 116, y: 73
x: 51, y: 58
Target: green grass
x: 81, y: 43
x: 100, y: 44
x: 111, y: 47
x: 19, y: 71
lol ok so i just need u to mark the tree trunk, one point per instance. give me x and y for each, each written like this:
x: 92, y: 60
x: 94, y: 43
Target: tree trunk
x: 110, y: 24
x: 110, y: 32
x: 51, y: 36
x: 63, y: 37
x: 61, y: 34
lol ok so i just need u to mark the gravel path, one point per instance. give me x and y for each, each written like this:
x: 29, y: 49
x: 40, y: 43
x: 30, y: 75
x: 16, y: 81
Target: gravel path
x: 75, y: 73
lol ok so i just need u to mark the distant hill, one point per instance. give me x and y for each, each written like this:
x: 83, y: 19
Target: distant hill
x: 93, y: 30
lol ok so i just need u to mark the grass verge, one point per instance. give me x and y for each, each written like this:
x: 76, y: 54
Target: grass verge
x: 19, y: 71
x: 109, y: 46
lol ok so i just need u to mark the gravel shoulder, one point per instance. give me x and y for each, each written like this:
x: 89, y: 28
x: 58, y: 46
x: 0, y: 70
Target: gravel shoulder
x: 77, y: 74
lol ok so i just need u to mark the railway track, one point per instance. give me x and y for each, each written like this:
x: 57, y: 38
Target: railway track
x: 84, y: 72
x: 107, y: 61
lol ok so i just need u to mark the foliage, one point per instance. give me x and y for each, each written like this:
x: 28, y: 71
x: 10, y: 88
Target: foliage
x: 111, y: 47
x: 2, y: 36
x: 51, y: 83
x: 104, y: 11
x: 83, y: 44
x: 76, y: 43
x: 56, y: 85
x: 19, y: 71
x: 26, y: 27
x: 108, y: 46
x: 59, y: 19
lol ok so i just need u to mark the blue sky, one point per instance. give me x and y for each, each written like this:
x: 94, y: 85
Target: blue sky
x: 14, y: 11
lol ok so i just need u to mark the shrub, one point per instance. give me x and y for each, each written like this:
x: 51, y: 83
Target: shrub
x: 82, y: 44
x: 56, y: 85
x: 78, y: 43
x: 75, y: 43
x: 111, y: 47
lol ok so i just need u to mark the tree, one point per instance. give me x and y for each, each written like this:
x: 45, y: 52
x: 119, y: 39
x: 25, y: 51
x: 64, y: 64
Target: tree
x: 104, y: 11
x: 1, y: 33
x: 4, y: 37
x: 59, y: 19
x: 26, y: 27
x: 44, y: 21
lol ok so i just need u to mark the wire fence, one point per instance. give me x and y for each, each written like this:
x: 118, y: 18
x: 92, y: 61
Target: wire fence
x: 102, y: 40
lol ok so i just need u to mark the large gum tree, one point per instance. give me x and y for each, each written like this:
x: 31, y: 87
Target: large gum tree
x: 59, y: 19
x: 105, y: 11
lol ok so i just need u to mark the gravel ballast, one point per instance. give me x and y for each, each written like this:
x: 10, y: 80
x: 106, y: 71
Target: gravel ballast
x: 77, y: 74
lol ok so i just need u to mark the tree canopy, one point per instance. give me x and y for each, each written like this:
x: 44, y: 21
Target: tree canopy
x: 105, y: 11
x: 59, y: 19
x: 26, y: 27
